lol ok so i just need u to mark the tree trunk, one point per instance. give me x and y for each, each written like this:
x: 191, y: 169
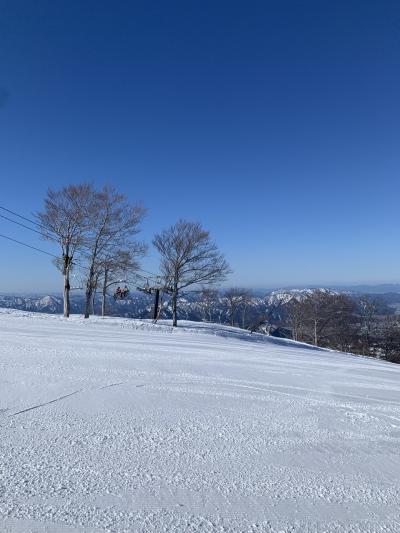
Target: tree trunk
x: 174, y: 306
x: 315, y: 333
x: 93, y: 302
x: 66, y: 269
x: 367, y: 338
x: 156, y: 301
x: 67, y: 305
x: 88, y: 295
x: 91, y: 284
x: 94, y: 292
x: 89, y: 290
x: 103, y: 298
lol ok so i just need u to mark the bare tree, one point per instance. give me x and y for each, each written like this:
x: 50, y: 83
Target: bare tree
x: 369, y: 306
x: 237, y: 301
x: 245, y: 303
x: 189, y: 257
x: 315, y: 307
x: 296, y: 316
x: 323, y: 317
x: 388, y: 338
x: 114, y: 223
x: 340, y: 330
x: 65, y: 220
x: 208, y: 300
x: 95, y: 287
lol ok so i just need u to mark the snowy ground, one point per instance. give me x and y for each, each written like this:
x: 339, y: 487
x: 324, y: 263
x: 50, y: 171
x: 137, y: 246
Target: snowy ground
x: 118, y: 425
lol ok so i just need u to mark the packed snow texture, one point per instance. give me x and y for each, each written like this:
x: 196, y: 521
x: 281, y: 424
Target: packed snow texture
x: 120, y: 425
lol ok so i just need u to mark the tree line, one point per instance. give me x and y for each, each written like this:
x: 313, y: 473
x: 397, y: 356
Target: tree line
x: 96, y: 231
x: 357, y: 324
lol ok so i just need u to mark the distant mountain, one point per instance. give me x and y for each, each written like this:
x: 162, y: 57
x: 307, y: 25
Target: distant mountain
x: 139, y: 305
x: 284, y: 296
x: 41, y: 304
x: 271, y: 307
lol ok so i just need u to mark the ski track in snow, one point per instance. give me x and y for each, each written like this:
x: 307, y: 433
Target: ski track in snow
x: 120, y: 425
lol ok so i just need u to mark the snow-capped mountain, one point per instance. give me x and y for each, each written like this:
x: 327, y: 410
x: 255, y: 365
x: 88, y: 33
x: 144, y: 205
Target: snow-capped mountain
x: 284, y: 296
x: 273, y: 306
x: 42, y: 304
x: 137, y: 305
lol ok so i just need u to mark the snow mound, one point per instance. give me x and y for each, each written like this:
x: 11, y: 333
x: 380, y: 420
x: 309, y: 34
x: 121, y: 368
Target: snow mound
x: 121, y: 425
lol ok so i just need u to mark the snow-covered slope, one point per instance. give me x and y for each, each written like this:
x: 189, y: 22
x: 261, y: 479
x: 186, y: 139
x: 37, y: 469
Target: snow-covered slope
x: 118, y: 425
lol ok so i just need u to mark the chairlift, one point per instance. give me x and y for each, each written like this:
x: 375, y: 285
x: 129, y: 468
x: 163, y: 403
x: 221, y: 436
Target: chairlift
x: 121, y: 293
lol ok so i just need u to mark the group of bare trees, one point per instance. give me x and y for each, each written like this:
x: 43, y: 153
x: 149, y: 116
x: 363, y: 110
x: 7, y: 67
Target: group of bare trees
x: 209, y: 299
x: 237, y: 302
x: 321, y: 315
x: 342, y: 322
x: 385, y: 339
x: 230, y: 306
x: 96, y: 232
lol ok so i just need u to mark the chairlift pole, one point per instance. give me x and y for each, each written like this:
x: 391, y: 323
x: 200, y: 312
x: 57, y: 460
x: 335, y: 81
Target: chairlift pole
x: 156, y: 289
x: 156, y: 300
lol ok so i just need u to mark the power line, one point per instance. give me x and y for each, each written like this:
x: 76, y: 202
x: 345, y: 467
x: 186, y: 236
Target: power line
x: 47, y: 236
x: 156, y: 289
x: 28, y: 246
x: 151, y: 275
x: 33, y: 247
x: 147, y: 272
x: 20, y: 224
x: 31, y: 229
x: 21, y: 216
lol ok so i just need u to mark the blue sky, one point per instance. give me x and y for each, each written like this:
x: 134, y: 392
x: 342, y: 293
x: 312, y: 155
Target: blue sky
x: 275, y: 124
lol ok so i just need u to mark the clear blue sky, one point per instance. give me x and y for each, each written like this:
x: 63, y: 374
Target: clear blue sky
x: 275, y: 124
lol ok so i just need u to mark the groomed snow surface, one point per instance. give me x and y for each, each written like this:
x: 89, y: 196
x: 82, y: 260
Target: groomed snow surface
x: 119, y: 425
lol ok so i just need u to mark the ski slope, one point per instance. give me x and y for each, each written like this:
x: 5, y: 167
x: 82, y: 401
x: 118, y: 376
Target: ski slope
x: 119, y: 425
